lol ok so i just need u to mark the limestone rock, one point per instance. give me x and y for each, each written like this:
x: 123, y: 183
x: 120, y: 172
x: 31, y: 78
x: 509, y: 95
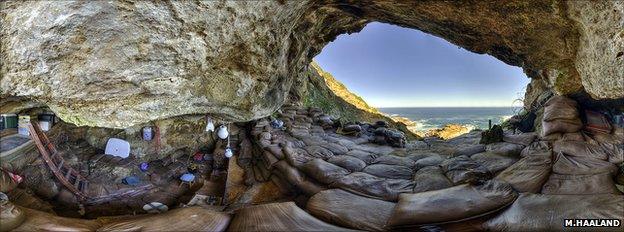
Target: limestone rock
x: 117, y: 63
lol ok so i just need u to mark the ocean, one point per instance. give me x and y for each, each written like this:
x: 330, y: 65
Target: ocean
x: 427, y: 118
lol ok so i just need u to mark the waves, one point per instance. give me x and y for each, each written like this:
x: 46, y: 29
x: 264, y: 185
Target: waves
x: 425, y: 119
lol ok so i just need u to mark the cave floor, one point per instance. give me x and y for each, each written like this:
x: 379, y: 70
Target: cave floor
x: 307, y: 175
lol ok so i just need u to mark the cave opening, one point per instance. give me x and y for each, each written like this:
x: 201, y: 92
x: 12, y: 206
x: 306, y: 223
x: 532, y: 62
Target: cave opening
x: 407, y: 73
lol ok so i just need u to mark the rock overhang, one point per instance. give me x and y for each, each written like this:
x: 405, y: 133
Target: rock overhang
x: 118, y: 64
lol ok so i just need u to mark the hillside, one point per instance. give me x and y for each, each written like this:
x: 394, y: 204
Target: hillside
x: 321, y: 89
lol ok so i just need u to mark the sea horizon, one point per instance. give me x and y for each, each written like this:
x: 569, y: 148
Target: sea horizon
x: 428, y: 118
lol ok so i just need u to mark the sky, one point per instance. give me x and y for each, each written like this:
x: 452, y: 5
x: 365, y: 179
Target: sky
x: 391, y: 66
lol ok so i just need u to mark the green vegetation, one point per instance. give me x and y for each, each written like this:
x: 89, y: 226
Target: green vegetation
x: 320, y: 89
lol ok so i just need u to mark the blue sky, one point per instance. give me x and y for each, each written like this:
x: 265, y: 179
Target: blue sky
x: 391, y: 66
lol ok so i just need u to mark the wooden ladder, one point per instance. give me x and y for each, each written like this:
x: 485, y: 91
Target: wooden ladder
x: 70, y: 178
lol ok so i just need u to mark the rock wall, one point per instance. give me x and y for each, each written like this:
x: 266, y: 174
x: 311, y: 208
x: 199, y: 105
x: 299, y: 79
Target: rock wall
x: 121, y: 63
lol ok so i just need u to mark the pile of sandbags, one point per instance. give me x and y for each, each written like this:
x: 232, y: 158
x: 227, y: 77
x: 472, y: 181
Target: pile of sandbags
x: 342, y: 208
x: 459, y: 203
x: 387, y: 136
x: 580, y: 168
x: 560, y: 116
x: 531, y: 171
x: 536, y: 212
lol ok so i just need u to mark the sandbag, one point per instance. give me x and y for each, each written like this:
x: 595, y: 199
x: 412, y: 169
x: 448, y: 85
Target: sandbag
x: 319, y: 152
x: 395, y: 160
x: 323, y: 171
x: 371, y: 186
x: 284, y: 216
x: 365, y: 156
x: 348, y: 162
x: 389, y: 171
x: 529, y: 173
x: 309, y: 187
x: 522, y: 139
x: 342, y: 208
x: 453, y: 204
x: 296, y: 156
x: 291, y: 174
x: 276, y: 151
x: 470, y: 150
x: 537, y: 148
x: 462, y: 169
x: 430, y: 178
x: 376, y: 149
x: 576, y: 136
x: 336, y: 149
x: 494, y: 162
x: 561, y: 126
x: 504, y: 148
x: 11, y: 216
x: 612, y: 144
x: 579, y: 149
x: 574, y: 165
x: 537, y: 212
x: 433, y: 160
x: 40, y: 221
x: 26, y: 199
x: 580, y: 184
x: 269, y: 159
x: 559, y: 107
x: 182, y: 219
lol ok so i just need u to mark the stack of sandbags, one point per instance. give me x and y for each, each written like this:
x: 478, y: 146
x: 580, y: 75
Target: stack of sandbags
x: 285, y: 216
x: 612, y: 144
x: 537, y: 212
x: 392, y: 137
x: 560, y: 116
x: 342, y: 208
x: 531, y: 171
x: 580, y: 168
x: 459, y: 203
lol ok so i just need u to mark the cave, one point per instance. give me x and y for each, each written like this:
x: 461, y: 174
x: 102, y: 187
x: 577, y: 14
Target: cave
x: 231, y: 126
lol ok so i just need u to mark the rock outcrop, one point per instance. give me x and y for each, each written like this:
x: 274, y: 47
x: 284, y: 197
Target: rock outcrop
x: 321, y: 90
x: 122, y: 63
